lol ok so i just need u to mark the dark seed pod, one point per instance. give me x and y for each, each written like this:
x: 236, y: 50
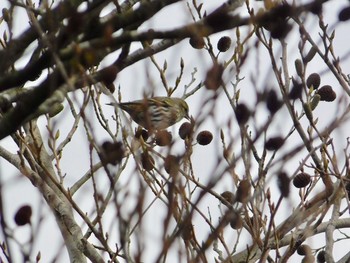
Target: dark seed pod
x: 224, y: 44
x: 171, y: 165
x: 236, y: 221
x: 321, y: 257
x: 197, y: 42
x: 283, y: 184
x: 142, y: 133
x: 163, y: 138
x: 243, y: 191
x: 296, y: 91
x: 204, y: 137
x: 242, y: 113
x: 344, y: 14
x: 273, y: 104
x: 112, y: 153
x: 187, y: 231
x: 147, y: 161
x: 186, y: 130
x: 274, y: 143
x: 228, y: 196
x: 304, y: 250
x: 213, y: 79
x: 327, y: 93
x: 23, y: 215
x: 313, y: 81
x: 301, y: 180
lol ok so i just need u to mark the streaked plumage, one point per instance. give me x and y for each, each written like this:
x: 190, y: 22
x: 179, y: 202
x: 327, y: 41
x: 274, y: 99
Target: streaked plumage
x: 156, y: 113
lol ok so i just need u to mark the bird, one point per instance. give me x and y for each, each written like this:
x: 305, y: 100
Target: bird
x: 156, y: 113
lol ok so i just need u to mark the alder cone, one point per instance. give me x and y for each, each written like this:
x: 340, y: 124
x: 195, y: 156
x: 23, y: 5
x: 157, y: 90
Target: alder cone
x: 242, y: 113
x: 273, y: 104
x: 163, y: 138
x: 197, y: 42
x: 243, y: 191
x: 112, y: 152
x: 147, y: 161
x: 204, y: 137
x: 224, y: 44
x: 236, y: 221
x: 228, y: 196
x: 344, y: 14
x: 301, y: 180
x: 327, y: 93
x: 314, y: 80
x: 172, y: 165
x: 284, y: 184
x: 185, y: 130
x: 23, y: 215
x: 274, y: 143
x: 213, y: 79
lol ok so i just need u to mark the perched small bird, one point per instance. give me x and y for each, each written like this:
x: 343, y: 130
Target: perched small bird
x: 156, y: 113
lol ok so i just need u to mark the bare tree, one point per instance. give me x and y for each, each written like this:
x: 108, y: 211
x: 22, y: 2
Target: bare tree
x: 277, y: 153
